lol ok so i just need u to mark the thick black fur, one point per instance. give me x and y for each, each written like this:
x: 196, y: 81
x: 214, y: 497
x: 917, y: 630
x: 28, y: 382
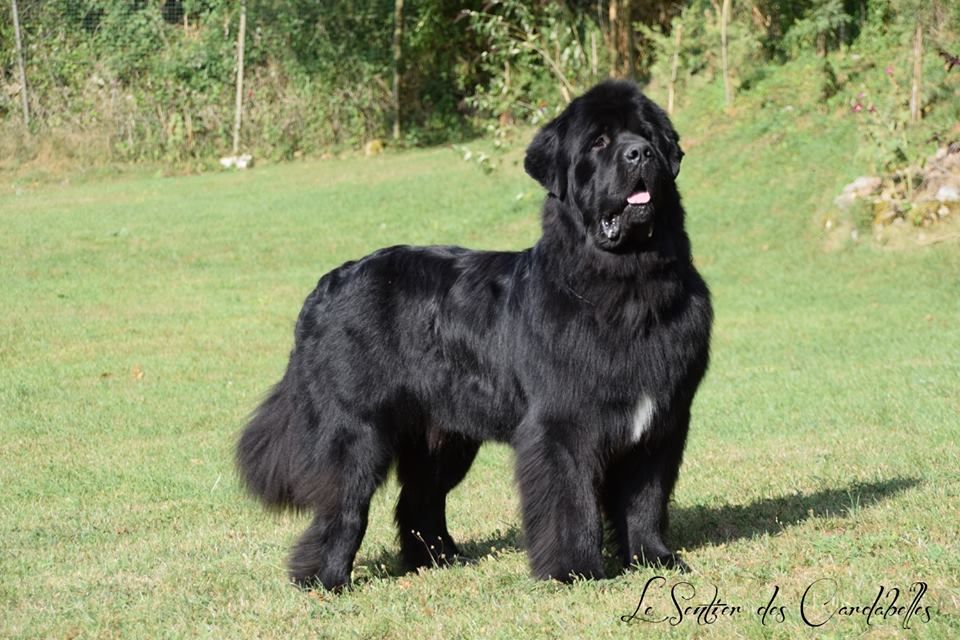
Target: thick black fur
x: 415, y: 355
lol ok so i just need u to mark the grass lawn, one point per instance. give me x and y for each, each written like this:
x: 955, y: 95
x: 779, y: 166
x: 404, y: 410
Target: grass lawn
x: 144, y: 317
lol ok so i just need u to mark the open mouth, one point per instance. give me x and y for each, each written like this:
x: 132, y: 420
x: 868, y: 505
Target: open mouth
x: 638, y: 204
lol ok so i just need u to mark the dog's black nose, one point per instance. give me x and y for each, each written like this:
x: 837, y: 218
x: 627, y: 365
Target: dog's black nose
x: 636, y: 151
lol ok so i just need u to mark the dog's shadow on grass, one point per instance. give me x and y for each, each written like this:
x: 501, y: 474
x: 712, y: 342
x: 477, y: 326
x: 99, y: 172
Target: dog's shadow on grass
x: 388, y: 563
x: 699, y: 526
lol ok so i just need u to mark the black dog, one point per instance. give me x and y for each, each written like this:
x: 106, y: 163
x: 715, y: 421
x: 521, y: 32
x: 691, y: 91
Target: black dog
x: 583, y: 352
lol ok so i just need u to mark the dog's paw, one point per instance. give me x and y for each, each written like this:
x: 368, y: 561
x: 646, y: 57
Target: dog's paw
x: 668, y: 561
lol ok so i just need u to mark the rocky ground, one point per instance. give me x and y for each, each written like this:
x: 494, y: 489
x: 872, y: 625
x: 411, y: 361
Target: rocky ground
x: 914, y: 206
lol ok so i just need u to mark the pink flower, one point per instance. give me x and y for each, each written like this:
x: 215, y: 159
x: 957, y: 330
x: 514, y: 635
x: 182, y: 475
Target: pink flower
x: 889, y: 70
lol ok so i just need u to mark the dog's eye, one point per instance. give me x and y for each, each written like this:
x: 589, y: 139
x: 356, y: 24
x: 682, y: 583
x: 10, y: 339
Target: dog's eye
x: 601, y: 141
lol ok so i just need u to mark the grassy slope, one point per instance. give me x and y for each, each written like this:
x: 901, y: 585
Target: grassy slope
x: 144, y: 317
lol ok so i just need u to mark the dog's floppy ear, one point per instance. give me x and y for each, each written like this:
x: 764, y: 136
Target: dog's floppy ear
x: 669, y: 143
x: 545, y: 162
x: 674, y: 154
x: 667, y: 139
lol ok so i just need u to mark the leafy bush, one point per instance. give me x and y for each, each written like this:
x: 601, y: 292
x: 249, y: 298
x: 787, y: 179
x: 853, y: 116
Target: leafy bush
x: 821, y: 29
x: 699, y: 57
x: 534, y: 56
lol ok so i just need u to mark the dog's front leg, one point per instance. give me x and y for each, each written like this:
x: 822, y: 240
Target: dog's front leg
x: 556, y: 471
x: 637, y: 490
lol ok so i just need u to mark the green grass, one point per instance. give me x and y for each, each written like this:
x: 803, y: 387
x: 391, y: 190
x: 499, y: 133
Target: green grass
x: 144, y: 317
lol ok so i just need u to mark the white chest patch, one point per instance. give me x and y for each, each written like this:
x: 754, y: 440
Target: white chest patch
x: 642, y: 418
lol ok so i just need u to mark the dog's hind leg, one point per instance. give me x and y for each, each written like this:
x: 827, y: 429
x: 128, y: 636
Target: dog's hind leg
x: 428, y: 467
x: 352, y: 462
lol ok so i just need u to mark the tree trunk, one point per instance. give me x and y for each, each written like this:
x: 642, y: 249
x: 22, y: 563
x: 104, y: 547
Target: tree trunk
x: 915, y: 112
x: 612, y: 12
x: 397, y: 60
x: 594, y: 71
x: 238, y: 109
x: 20, y: 68
x: 622, y: 55
x: 674, y: 67
x: 627, y: 51
x: 724, y: 19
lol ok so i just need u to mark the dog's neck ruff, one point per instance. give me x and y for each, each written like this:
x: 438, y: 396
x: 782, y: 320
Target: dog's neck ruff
x: 565, y: 245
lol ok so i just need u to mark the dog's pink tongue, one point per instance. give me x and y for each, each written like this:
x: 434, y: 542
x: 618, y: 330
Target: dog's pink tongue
x: 640, y: 197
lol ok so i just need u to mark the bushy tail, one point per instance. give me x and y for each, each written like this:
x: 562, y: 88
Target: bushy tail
x: 271, y: 454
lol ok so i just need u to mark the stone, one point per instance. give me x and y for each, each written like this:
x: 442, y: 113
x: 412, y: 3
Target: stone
x: 948, y: 193
x: 864, y: 185
x: 844, y: 201
x: 373, y: 147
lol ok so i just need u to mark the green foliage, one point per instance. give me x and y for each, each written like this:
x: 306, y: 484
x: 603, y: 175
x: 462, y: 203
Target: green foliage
x: 130, y: 80
x: 535, y: 57
x: 876, y: 77
x: 821, y: 28
x: 849, y: 58
x: 699, y: 54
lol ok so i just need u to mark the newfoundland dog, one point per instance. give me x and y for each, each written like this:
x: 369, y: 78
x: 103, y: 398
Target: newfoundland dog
x: 583, y: 352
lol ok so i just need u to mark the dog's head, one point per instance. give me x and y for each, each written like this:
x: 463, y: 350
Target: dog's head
x: 611, y: 157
